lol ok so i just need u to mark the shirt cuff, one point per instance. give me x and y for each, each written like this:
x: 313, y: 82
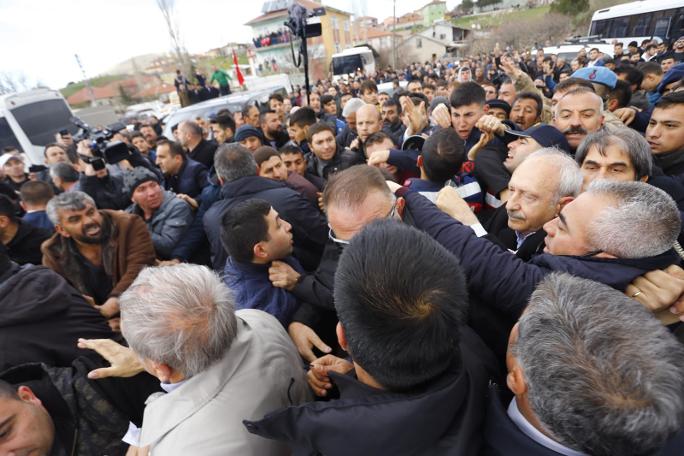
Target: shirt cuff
x: 478, y: 229
x: 132, y: 436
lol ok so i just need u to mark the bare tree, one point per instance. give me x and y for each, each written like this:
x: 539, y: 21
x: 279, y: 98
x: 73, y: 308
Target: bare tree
x: 13, y: 82
x: 167, y: 9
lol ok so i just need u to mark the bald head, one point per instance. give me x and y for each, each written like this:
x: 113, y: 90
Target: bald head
x: 368, y: 121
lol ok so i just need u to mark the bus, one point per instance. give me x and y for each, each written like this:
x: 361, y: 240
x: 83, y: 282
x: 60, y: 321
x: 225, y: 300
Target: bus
x: 638, y: 21
x: 30, y: 120
x: 348, y: 61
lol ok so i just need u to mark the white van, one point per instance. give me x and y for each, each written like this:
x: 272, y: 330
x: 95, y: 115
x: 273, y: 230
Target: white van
x: 30, y: 120
x: 348, y: 61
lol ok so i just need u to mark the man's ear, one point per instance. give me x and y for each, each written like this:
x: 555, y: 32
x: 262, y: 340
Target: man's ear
x: 26, y: 394
x: 401, y: 206
x: 162, y: 371
x: 61, y: 231
x: 259, y: 251
x: 341, y: 336
x: 419, y: 161
x: 485, y: 108
x: 562, y: 202
x: 515, y: 380
x: 612, y: 104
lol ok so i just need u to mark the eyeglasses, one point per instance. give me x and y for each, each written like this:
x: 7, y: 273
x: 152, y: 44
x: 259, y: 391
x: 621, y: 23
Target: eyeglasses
x: 331, y: 233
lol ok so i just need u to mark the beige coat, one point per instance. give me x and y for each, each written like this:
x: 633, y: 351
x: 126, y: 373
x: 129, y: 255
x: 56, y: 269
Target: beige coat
x: 261, y: 372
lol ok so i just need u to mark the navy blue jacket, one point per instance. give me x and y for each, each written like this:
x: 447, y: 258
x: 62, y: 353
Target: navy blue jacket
x: 194, y: 239
x: 38, y: 219
x: 309, y: 228
x: 504, y: 438
x: 504, y: 281
x: 253, y: 289
x: 190, y: 180
x: 442, y: 418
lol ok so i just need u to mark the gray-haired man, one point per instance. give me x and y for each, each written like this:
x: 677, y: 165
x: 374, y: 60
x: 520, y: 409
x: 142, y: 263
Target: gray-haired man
x: 99, y: 252
x: 593, y: 373
x: 217, y: 366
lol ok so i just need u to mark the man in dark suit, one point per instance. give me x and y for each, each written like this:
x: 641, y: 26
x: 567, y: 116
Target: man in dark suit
x: 539, y: 188
x: 593, y: 372
x: 199, y: 149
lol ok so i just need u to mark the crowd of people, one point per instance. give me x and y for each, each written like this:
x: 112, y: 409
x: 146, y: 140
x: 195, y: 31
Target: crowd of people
x: 483, y: 260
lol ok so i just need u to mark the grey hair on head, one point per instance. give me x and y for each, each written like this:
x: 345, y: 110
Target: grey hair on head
x: 182, y: 316
x: 603, y: 375
x: 643, y: 221
x: 569, y: 175
x: 233, y: 161
x: 628, y: 140
x: 70, y: 201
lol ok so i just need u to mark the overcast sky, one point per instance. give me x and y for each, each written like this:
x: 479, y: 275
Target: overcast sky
x: 40, y: 37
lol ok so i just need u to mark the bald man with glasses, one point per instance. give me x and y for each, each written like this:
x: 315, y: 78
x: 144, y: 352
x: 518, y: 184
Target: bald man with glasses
x: 352, y: 199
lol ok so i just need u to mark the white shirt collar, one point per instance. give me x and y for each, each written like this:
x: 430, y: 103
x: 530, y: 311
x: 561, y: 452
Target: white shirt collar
x: 536, y: 435
x: 169, y: 387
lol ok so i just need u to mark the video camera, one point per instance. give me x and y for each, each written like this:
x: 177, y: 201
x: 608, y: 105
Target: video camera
x: 104, y: 150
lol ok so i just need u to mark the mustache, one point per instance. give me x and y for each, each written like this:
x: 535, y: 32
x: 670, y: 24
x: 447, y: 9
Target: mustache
x: 515, y: 215
x: 92, y: 225
x: 575, y: 130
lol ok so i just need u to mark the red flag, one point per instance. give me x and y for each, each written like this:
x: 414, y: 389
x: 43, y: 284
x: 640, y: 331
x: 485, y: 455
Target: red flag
x: 241, y: 79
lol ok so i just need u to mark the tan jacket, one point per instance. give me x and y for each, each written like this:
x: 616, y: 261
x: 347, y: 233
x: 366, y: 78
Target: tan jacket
x: 260, y: 373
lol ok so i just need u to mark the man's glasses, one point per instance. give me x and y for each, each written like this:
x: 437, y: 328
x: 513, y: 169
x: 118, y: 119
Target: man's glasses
x: 331, y: 234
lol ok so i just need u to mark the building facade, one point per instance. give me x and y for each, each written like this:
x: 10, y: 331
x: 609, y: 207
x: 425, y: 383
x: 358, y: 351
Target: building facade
x: 272, y: 40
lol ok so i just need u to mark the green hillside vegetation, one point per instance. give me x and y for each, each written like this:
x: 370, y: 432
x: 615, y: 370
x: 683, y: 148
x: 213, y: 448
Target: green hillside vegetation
x: 99, y: 81
x: 497, y: 18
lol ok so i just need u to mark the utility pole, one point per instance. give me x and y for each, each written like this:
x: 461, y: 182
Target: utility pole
x: 86, y: 80
x: 394, y: 34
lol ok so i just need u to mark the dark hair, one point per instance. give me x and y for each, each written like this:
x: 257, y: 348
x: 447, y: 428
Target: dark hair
x: 291, y: 149
x: 633, y: 75
x: 565, y: 86
x: 393, y: 102
x: 8, y: 149
x: 325, y: 99
x: 531, y: 96
x: 317, y: 128
x: 303, y: 117
x: 368, y: 85
x: 8, y: 208
x: 51, y: 145
x: 467, y: 94
x: 263, y: 153
x: 400, y: 313
x: 650, y: 68
x: 175, y: 148
x: 64, y: 171
x: 418, y: 98
x: 276, y: 96
x: 443, y: 154
x: 36, y: 192
x: 669, y: 100
x: 243, y: 226
x: 225, y: 120
x: 262, y: 114
x: 247, y: 107
x: 7, y: 390
x: 622, y: 93
x: 377, y: 138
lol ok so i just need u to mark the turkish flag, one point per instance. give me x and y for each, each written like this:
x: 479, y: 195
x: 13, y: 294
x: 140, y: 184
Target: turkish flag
x: 241, y: 79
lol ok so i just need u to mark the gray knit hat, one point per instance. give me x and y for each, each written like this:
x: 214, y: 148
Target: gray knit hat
x: 136, y: 176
